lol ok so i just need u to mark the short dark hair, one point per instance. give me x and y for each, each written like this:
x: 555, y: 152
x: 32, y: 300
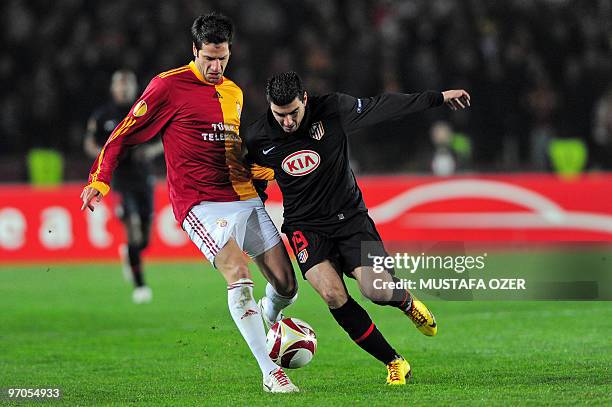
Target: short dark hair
x: 282, y: 88
x: 212, y: 28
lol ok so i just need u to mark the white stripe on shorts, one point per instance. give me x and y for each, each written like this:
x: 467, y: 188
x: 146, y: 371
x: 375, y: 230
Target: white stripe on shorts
x: 200, y: 230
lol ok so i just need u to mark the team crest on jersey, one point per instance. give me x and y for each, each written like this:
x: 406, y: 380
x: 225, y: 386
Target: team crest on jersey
x: 317, y: 131
x: 222, y: 223
x: 302, y: 256
x: 140, y: 109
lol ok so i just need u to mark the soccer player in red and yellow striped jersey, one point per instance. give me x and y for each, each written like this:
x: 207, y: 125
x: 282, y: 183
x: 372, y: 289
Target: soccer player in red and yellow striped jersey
x: 197, y: 111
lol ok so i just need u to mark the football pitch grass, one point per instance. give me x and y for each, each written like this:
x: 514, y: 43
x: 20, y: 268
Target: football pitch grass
x: 74, y: 327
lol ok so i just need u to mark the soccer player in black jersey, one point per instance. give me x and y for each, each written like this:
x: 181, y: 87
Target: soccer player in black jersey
x: 304, y: 140
x: 133, y: 179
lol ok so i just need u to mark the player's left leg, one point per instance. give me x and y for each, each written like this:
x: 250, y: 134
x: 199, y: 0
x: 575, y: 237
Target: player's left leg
x: 375, y: 286
x: 219, y: 230
x: 231, y: 263
x: 264, y: 245
x: 281, y: 289
x: 371, y: 285
x: 145, y: 207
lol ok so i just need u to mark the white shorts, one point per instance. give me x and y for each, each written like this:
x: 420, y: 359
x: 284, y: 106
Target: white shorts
x: 211, y: 224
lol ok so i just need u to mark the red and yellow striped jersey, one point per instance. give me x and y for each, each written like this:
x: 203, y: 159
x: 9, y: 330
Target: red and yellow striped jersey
x: 200, y: 125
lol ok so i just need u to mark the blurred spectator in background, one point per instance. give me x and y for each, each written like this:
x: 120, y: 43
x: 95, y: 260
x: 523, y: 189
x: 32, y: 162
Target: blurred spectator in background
x: 444, y: 162
x: 542, y: 104
x: 452, y: 151
x: 133, y: 179
x: 536, y: 67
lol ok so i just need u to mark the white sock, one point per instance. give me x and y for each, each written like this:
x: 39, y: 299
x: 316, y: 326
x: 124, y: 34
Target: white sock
x: 275, y: 303
x: 245, y: 313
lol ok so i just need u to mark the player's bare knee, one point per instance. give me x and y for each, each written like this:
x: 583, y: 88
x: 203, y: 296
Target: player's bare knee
x: 287, y: 287
x: 237, y: 272
x: 334, y: 298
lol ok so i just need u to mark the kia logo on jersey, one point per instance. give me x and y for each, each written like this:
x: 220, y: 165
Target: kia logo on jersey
x: 301, y: 163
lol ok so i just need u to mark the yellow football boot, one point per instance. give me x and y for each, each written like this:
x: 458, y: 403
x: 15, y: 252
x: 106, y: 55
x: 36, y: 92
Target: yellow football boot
x: 398, y: 370
x: 423, y: 318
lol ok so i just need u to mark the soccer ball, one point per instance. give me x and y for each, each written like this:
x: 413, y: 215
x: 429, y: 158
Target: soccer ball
x: 291, y: 343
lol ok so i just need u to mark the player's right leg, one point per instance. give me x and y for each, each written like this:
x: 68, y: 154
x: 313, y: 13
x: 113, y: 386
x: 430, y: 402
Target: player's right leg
x: 137, y: 241
x: 355, y: 320
x: 213, y: 236
x: 400, y: 298
x: 375, y: 286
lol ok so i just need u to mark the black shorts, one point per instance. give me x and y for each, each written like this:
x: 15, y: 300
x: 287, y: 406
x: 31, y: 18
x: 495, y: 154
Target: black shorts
x: 341, y: 244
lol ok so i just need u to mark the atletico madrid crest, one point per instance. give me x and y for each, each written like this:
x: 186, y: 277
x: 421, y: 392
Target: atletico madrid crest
x: 302, y: 256
x: 317, y: 131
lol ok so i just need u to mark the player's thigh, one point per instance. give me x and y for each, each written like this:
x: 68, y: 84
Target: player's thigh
x: 145, y: 213
x: 262, y: 242
x: 326, y: 281
x: 260, y: 234
x: 231, y: 262
x: 145, y: 202
x: 211, y: 225
x: 127, y: 206
x: 310, y: 248
x: 127, y: 211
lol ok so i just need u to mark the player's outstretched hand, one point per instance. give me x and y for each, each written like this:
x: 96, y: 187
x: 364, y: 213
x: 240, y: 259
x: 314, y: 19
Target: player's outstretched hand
x: 456, y: 99
x: 88, y: 195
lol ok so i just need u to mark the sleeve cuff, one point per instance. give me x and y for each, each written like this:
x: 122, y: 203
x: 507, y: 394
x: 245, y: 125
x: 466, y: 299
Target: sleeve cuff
x: 262, y: 173
x: 100, y: 186
x: 438, y: 99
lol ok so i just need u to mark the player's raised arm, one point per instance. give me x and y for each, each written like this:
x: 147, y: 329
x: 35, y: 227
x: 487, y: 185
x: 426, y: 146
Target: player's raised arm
x: 364, y: 112
x: 146, y: 118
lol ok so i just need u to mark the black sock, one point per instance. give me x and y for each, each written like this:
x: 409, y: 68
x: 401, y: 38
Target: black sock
x: 135, y: 265
x: 400, y: 298
x: 357, y: 323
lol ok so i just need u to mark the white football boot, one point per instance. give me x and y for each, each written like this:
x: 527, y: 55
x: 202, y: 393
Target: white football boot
x: 142, y: 295
x: 278, y: 382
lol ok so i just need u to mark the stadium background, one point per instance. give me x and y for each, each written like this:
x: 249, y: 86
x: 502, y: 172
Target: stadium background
x: 540, y: 76
x: 536, y: 69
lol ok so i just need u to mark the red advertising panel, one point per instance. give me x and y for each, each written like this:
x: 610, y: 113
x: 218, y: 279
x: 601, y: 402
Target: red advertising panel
x: 47, y: 224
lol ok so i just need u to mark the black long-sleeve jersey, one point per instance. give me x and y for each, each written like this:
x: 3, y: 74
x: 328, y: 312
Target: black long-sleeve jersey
x: 311, y: 165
